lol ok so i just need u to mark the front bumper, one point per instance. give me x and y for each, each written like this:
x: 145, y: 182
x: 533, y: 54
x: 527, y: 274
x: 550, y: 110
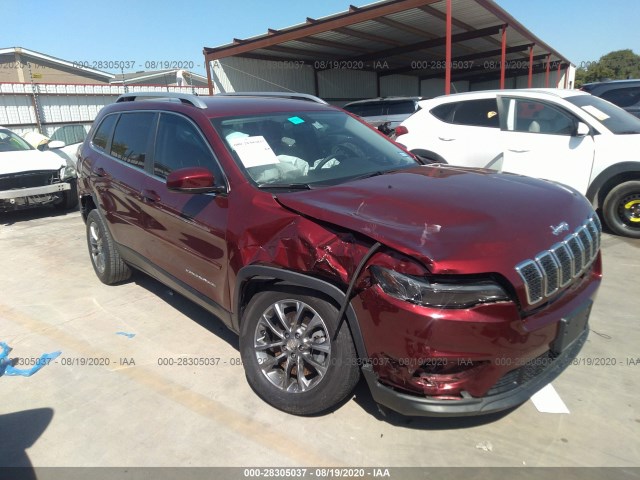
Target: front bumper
x: 413, y: 405
x: 32, y: 191
x: 429, y: 361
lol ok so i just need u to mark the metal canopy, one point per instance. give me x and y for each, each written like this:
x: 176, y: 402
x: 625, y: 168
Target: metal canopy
x: 407, y: 37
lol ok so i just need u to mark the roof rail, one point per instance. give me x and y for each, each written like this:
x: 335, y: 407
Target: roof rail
x: 173, y: 96
x: 290, y: 95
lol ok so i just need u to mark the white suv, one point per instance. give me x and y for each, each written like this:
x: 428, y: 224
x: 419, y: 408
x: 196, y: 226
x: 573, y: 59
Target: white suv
x: 566, y: 136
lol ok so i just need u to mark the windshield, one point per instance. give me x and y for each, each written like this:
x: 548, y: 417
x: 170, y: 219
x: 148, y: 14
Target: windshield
x: 619, y: 121
x: 10, y: 142
x: 307, y: 148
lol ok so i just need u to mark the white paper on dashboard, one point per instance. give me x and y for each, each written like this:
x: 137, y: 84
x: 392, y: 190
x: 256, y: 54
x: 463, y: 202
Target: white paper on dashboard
x: 599, y: 114
x: 254, y: 151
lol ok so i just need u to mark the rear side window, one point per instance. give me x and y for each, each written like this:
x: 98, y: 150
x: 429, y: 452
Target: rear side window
x: 131, y: 137
x: 179, y: 144
x: 103, y: 133
x: 623, y: 97
x: 477, y: 113
x: 401, y: 108
x: 444, y: 112
x: 366, y: 109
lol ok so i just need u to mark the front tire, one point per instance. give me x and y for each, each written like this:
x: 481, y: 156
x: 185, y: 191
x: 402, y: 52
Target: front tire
x: 621, y: 209
x: 69, y: 197
x: 105, y: 258
x: 289, y: 355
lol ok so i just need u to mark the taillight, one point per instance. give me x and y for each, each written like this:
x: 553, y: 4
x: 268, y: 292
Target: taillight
x: 401, y: 130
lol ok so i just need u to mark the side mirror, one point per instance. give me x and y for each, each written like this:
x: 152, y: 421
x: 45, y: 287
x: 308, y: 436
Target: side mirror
x: 193, y: 180
x: 582, y: 130
x: 55, y: 144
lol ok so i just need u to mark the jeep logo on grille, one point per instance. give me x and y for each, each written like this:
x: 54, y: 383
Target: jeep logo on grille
x: 563, y: 227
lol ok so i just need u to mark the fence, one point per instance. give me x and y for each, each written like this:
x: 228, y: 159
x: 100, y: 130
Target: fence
x: 45, y: 107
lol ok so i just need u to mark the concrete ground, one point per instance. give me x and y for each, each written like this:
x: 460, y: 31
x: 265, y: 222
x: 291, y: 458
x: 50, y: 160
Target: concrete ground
x: 135, y: 412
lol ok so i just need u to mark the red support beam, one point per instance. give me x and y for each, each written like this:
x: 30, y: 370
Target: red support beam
x: 503, y: 62
x: 207, y: 65
x: 447, y: 75
x: 558, y: 74
x: 546, y: 75
x: 530, y: 81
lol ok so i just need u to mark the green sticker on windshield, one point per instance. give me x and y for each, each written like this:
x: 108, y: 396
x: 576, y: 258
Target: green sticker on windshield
x: 296, y: 120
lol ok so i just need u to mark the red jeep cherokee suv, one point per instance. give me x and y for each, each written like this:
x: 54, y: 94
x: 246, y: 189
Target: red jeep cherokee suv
x: 332, y: 251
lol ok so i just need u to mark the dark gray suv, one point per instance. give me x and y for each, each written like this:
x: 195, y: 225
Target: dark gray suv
x: 623, y: 93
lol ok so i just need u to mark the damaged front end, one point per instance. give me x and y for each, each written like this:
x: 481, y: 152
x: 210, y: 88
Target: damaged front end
x: 34, y: 188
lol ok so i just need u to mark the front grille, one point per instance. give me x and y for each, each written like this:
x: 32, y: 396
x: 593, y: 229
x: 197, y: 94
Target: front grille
x: 541, y: 365
x: 555, y: 268
x: 36, y: 178
x: 523, y: 374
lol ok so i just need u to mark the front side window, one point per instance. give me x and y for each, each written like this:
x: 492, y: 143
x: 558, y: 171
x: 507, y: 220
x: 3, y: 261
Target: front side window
x: 617, y: 120
x: 10, y: 142
x: 179, y: 144
x: 308, y: 148
x: 531, y: 116
x: 475, y: 113
x: 132, y: 136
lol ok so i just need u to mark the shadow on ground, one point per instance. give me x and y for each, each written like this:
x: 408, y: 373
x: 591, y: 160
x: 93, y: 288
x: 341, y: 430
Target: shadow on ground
x: 20, y: 431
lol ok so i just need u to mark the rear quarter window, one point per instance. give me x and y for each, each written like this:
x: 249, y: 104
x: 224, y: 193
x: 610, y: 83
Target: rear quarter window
x: 103, y: 132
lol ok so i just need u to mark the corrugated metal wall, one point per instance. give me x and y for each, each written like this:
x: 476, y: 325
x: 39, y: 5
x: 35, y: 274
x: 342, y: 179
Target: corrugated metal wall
x: 62, y: 104
x: 399, y: 85
x: 237, y: 74
x: 346, y: 85
x: 339, y: 86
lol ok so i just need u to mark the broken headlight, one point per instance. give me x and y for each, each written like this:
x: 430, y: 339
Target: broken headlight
x: 441, y: 293
x: 67, y: 172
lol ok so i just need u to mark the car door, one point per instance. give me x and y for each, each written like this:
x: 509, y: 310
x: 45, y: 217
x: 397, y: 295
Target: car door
x: 540, y: 140
x: 119, y: 173
x: 187, y: 231
x: 468, y: 132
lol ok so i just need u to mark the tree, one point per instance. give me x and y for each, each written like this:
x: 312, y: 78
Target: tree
x: 623, y: 63
x: 617, y: 65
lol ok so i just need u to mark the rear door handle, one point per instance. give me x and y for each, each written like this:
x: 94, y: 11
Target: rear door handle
x: 444, y: 139
x: 149, y: 195
x: 517, y: 151
x: 100, y: 172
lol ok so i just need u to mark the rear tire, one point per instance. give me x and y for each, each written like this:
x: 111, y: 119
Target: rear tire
x: 621, y: 209
x: 105, y: 258
x: 288, y: 352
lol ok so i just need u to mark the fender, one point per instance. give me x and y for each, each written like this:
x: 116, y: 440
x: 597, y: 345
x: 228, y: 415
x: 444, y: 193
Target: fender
x: 632, y: 168
x: 294, y: 278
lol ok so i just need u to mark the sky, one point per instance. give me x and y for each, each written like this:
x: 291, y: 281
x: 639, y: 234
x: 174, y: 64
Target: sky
x: 145, y: 31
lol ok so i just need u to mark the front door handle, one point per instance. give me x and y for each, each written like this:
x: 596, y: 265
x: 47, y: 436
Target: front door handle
x: 100, y: 172
x: 518, y: 151
x: 444, y: 139
x: 149, y: 195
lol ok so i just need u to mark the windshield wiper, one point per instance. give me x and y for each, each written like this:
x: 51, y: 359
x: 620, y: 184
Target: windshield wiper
x: 286, y: 186
x: 370, y: 174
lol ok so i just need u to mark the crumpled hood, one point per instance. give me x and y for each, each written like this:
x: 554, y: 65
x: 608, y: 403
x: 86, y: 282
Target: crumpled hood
x: 453, y: 219
x: 29, y: 161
